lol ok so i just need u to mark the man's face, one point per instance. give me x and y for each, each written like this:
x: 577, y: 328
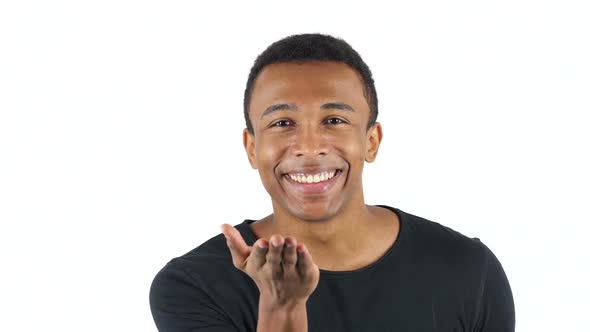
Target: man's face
x: 310, y: 137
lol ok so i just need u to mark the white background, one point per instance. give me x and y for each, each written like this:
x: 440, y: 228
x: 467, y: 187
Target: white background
x: 120, y: 141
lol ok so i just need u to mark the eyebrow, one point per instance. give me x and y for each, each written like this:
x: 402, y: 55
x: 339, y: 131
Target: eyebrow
x: 338, y: 106
x: 293, y: 107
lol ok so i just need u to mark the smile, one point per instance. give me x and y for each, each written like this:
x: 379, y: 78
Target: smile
x: 313, y: 183
x: 312, y: 178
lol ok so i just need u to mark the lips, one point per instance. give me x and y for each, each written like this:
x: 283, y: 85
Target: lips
x: 323, y: 186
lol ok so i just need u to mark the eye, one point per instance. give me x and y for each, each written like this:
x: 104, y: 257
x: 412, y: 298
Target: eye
x: 282, y: 123
x: 334, y: 121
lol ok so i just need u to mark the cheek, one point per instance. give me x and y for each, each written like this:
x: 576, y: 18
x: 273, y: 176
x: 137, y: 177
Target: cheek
x: 268, y: 156
x: 353, y: 149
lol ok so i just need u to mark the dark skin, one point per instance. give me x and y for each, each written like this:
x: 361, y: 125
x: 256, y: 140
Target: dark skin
x: 320, y: 127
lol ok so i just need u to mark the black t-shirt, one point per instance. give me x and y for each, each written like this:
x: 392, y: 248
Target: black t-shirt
x: 431, y: 279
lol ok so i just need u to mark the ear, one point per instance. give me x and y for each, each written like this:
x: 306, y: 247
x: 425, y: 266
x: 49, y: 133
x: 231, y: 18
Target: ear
x: 374, y: 137
x: 250, y: 147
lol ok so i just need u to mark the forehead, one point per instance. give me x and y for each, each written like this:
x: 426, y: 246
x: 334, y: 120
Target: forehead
x: 309, y: 82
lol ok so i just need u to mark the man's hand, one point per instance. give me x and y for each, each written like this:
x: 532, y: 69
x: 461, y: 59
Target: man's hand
x: 285, y: 277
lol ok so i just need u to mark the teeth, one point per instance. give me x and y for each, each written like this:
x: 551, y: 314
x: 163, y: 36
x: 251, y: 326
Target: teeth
x: 312, y: 178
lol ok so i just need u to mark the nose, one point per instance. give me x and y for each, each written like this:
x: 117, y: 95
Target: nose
x: 309, y: 142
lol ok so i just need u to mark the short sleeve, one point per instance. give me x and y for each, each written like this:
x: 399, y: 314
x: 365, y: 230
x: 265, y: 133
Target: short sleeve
x: 496, y: 312
x: 178, y: 304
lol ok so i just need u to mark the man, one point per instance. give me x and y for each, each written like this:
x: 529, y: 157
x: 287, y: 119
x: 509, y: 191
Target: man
x: 338, y: 265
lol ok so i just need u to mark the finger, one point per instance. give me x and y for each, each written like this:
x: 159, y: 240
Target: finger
x: 289, y: 253
x: 237, y: 246
x: 258, y: 254
x: 304, y: 261
x: 275, y: 255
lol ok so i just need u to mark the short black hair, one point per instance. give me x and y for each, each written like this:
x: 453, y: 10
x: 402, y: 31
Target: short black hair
x: 307, y: 48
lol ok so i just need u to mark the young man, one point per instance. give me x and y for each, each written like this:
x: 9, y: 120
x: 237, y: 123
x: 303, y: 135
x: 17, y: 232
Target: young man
x: 338, y: 265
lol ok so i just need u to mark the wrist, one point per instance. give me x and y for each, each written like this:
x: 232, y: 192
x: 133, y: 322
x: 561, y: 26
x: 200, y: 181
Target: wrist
x: 270, y: 304
x: 285, y: 317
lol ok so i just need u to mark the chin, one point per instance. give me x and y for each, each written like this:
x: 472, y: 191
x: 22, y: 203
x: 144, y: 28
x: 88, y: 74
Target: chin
x: 313, y: 213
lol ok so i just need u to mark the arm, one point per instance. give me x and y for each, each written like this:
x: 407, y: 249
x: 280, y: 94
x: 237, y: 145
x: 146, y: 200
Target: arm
x: 496, y: 312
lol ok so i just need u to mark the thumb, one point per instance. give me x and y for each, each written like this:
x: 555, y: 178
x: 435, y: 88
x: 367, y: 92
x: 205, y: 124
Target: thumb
x: 237, y: 246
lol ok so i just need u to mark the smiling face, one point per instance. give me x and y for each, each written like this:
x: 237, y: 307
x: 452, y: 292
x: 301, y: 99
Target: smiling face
x: 310, y: 138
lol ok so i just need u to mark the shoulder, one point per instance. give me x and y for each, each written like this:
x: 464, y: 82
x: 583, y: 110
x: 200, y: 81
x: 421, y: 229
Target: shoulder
x: 437, y: 245
x: 191, y: 270
x: 208, y: 266
x: 208, y: 262
x: 462, y: 265
x: 434, y: 235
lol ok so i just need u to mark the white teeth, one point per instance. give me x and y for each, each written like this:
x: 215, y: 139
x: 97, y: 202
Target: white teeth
x: 312, y: 178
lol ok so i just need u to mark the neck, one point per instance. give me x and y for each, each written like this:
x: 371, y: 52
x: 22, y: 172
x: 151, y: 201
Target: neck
x: 330, y: 239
